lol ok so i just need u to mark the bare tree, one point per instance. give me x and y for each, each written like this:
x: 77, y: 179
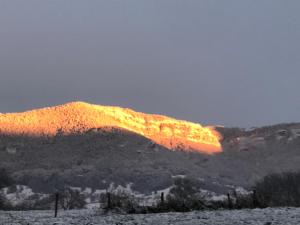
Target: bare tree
x: 119, y: 200
x: 71, y: 199
x: 185, y: 196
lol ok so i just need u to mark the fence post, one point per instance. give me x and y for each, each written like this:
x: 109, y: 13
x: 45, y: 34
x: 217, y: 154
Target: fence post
x: 56, y: 204
x: 108, y: 201
x: 255, y: 200
x: 237, y: 203
x: 229, y: 201
x: 162, y: 198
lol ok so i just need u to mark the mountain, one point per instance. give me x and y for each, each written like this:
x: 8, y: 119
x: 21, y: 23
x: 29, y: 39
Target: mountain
x: 83, y: 145
x: 81, y: 117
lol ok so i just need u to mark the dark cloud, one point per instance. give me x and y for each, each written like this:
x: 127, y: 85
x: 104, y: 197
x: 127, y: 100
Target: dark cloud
x: 213, y: 62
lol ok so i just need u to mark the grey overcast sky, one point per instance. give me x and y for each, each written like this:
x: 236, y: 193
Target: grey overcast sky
x: 233, y: 63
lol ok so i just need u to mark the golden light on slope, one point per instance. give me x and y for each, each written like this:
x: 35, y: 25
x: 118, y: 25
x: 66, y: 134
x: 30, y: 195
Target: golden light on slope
x: 81, y: 117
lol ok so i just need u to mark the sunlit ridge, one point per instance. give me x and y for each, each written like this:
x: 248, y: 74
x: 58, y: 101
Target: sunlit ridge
x: 81, y: 117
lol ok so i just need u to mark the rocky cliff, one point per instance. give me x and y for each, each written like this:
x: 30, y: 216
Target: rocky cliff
x: 81, y: 117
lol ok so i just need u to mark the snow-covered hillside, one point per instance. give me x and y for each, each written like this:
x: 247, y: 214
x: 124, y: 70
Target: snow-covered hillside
x: 269, y: 216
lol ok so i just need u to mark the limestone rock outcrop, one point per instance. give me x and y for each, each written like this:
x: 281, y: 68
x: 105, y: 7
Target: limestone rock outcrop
x: 81, y: 117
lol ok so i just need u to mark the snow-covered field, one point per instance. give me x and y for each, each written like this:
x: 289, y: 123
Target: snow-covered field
x: 269, y: 216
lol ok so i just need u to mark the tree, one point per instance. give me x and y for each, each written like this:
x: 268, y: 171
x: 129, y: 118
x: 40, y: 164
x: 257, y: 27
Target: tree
x: 185, y: 196
x: 5, y: 179
x: 71, y: 199
x: 279, y: 190
x: 2, y: 201
x: 119, y: 200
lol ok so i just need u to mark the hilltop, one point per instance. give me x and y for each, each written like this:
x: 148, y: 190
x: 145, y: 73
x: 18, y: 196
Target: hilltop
x: 80, y: 117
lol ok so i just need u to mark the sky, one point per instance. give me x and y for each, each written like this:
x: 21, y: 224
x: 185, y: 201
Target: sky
x: 231, y: 63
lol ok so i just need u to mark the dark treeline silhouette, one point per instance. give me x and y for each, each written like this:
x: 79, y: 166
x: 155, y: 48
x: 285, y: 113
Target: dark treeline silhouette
x: 279, y: 190
x: 5, y: 181
x: 5, y: 178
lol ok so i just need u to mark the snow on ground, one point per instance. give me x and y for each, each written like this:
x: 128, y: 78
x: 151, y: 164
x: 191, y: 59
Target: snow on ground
x: 20, y: 193
x: 269, y: 216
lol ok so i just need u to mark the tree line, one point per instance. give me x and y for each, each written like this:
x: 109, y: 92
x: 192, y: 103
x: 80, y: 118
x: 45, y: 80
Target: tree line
x: 274, y: 190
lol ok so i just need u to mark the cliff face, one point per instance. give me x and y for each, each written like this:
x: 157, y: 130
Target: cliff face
x: 82, y: 117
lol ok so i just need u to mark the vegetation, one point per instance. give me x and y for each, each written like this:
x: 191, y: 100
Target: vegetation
x: 119, y: 200
x: 71, y: 199
x: 279, y: 190
x: 184, y: 196
x: 5, y: 181
x: 272, y: 191
x: 68, y: 199
x: 33, y: 203
x: 5, y: 178
x: 2, y: 202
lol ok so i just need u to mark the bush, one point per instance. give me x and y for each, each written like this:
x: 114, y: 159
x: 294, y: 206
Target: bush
x: 279, y: 190
x: 184, y: 196
x: 243, y: 201
x: 71, y: 199
x: 120, y: 201
x: 2, y: 202
x: 37, y: 203
x: 5, y: 179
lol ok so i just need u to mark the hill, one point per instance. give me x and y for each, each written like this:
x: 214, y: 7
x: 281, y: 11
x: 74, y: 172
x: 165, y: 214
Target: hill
x: 73, y: 147
x: 79, y: 117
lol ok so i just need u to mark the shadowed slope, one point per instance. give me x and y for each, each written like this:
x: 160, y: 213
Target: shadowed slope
x: 81, y: 117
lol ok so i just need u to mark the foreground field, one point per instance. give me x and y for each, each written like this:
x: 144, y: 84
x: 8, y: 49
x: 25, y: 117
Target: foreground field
x: 269, y: 216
